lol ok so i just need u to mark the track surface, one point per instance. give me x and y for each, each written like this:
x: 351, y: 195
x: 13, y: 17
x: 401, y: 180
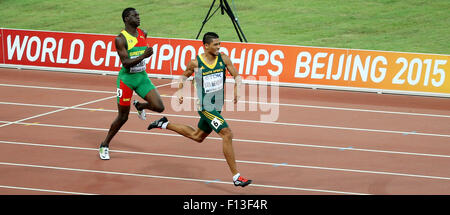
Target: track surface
x: 323, y: 142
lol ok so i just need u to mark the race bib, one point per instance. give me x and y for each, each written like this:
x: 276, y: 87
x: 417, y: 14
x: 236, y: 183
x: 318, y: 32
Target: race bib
x: 213, y: 82
x: 216, y: 123
x: 119, y: 92
x: 138, y: 67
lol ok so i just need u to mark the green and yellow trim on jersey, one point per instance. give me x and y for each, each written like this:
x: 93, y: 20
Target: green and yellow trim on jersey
x: 212, y: 116
x: 210, y: 66
x: 211, y: 120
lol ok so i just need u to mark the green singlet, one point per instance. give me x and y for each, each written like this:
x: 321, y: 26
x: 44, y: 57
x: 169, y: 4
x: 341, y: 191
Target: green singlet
x: 209, y: 83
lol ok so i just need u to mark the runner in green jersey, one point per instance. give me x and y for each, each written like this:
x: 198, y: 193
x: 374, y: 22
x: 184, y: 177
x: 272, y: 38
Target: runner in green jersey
x: 132, y: 48
x: 210, y: 69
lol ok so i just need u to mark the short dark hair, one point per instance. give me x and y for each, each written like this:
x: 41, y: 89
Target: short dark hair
x: 126, y: 12
x: 208, y: 37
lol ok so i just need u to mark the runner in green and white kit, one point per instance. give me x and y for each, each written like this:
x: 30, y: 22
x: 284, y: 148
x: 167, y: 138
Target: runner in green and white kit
x: 132, y: 49
x: 209, y: 69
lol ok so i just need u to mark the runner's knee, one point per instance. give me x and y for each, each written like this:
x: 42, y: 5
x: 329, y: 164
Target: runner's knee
x: 160, y: 108
x: 122, y: 117
x: 226, y: 133
x: 198, y: 138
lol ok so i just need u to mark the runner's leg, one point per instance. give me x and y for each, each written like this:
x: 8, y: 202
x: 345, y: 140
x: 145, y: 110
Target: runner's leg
x: 153, y: 103
x: 227, y: 138
x: 120, y: 120
x: 148, y: 91
x: 195, y: 134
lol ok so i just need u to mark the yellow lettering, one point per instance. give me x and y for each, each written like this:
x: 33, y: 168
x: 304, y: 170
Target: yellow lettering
x: 212, y: 71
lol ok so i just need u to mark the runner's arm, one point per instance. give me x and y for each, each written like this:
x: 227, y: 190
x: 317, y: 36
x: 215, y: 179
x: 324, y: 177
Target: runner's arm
x: 237, y: 78
x: 186, y: 74
x: 128, y: 62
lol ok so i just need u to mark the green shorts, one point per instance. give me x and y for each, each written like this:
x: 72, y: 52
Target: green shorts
x: 211, y: 121
x: 129, y: 82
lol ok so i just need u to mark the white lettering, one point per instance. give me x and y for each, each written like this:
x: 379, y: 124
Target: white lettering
x: 357, y: 65
x: 38, y: 48
x: 176, y: 58
x: 381, y: 70
x: 48, y: 50
x: 347, y: 67
x: 414, y: 61
x: 59, y: 59
x: 303, y: 64
x: 162, y: 56
x: 154, y: 55
x: 338, y: 75
x: 239, y: 61
x: 317, y: 65
x: 80, y: 43
x: 276, y: 62
x: 330, y: 66
x: 249, y: 62
x: 93, y: 51
x: 16, y: 46
x: 259, y: 62
x: 438, y: 71
x: 110, y: 53
x: 186, y: 49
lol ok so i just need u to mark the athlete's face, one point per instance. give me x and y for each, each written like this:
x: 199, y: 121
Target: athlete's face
x: 133, y: 18
x: 213, y: 47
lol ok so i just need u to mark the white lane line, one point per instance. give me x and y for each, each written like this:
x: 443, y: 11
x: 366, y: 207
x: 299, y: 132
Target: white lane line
x: 44, y: 190
x: 358, y: 110
x: 66, y: 108
x: 57, y: 88
x: 176, y: 178
x: 56, y: 111
x: 241, y: 140
x: 239, y: 161
x: 251, y: 121
x: 250, y: 102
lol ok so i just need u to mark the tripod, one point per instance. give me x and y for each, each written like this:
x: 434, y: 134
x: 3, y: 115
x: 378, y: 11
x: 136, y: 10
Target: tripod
x: 224, y: 6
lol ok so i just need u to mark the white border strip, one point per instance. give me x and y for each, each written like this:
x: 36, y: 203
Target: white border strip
x: 44, y: 190
x: 282, y: 84
x: 56, y: 111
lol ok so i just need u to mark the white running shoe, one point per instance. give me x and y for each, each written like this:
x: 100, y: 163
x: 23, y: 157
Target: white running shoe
x: 141, y: 113
x: 104, y: 153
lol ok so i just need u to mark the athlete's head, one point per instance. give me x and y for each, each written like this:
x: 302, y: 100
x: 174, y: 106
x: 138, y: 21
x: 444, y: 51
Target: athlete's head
x: 211, y: 42
x: 130, y: 16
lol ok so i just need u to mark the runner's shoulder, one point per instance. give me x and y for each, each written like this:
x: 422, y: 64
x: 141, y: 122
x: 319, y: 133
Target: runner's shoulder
x: 120, y: 38
x: 193, y: 63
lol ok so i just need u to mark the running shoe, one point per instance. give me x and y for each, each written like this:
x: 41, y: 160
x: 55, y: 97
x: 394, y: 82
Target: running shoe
x: 141, y: 113
x: 157, y: 123
x: 104, y: 153
x: 241, y: 181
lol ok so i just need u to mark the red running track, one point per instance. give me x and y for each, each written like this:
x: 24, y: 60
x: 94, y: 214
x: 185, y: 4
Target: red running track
x: 323, y: 142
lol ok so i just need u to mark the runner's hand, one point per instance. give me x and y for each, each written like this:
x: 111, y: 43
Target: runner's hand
x: 148, y: 52
x: 236, y: 99
x: 236, y: 95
